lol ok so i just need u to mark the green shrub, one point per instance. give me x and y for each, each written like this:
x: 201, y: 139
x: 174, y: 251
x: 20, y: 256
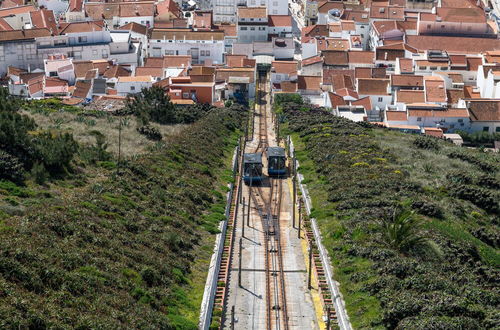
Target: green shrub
x: 10, y: 168
x: 426, y: 142
x: 150, y: 132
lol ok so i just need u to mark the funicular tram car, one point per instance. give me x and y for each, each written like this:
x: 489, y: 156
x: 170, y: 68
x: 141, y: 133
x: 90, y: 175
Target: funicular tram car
x: 276, y: 161
x: 252, y: 168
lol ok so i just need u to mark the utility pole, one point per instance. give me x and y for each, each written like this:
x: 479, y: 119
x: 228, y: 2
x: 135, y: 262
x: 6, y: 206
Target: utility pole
x: 239, y: 262
x: 294, y: 200
x: 300, y: 217
x: 232, y: 318
x: 309, y: 286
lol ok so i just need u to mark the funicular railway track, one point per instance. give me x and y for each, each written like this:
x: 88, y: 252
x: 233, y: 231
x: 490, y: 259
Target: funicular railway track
x: 267, y: 198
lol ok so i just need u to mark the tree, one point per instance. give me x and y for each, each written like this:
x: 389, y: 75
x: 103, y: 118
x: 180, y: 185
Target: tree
x: 402, y: 230
x: 152, y: 104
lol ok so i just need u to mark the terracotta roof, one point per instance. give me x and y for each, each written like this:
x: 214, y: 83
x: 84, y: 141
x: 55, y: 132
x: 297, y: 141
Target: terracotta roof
x: 344, y: 92
x: 44, y: 18
x: 98, y: 10
x: 455, y: 95
x: 229, y: 30
x: 311, y: 60
x: 339, y: 78
x: 82, y: 89
x: 202, y: 19
x: 335, y: 58
x: 448, y: 113
x: 319, y: 30
x: 309, y: 82
x: 180, y: 34
x: 484, y: 110
x: 289, y: 86
x: 360, y: 16
x: 456, y: 15
x: 459, y: 3
x: 17, y: 10
x: 252, y: 12
x: 116, y: 71
x: 457, y: 45
x: 149, y: 71
x: 88, y: 26
x: 75, y: 5
x: 471, y: 92
x: 410, y: 96
x: 135, y: 79
x: 14, y: 71
x: 176, y: 61
x: 24, y: 34
x: 326, y: 6
x: 55, y: 85
x: 365, y: 102
x: 169, y: 6
x: 4, y: 26
x: 365, y: 57
x: 279, y: 20
x: 135, y: 27
x: 373, y: 86
x: 435, y: 90
x: 396, y: 116
x: 286, y: 67
x: 406, y: 65
x: 336, y: 99
x: 332, y: 44
x: 473, y: 63
x: 35, y: 84
x: 382, y: 27
x: 404, y: 80
x: 387, y: 12
x: 11, y: 3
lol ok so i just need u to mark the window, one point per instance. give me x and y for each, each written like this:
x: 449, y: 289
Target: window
x: 82, y: 39
x: 380, y: 99
x: 419, y: 118
x: 362, y: 26
x: 77, y: 55
x: 132, y: 88
x: 202, y: 53
x: 207, y: 53
x: 29, y: 56
x: 460, y: 120
x: 94, y: 51
x: 252, y: 29
x: 362, y: 35
x: 428, y: 26
x: 497, y: 129
x: 104, y: 53
x: 433, y: 68
x: 59, y: 42
x: 486, y: 129
x: 262, y: 28
x: 442, y: 26
x: 422, y: 68
x: 185, y: 95
x: 452, y: 126
x: 243, y: 28
x: 53, y: 74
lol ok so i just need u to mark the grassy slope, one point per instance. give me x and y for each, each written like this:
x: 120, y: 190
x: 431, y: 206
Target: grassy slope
x: 107, y: 251
x: 353, y: 174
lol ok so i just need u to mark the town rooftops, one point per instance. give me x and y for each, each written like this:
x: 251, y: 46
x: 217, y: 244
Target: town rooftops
x: 17, y: 10
x: 309, y: 82
x: 88, y: 26
x: 285, y: 67
x: 373, y: 86
x: 99, y: 10
x: 456, y: 15
x: 252, y: 12
x: 396, y: 115
x: 280, y: 20
x: 387, y: 12
x: 403, y: 80
x: 457, y: 45
x: 184, y: 34
x: 410, y: 96
x: 484, y: 110
x: 135, y: 27
x: 435, y: 90
x: 135, y: 79
x: 16, y: 35
x: 44, y: 18
x: 326, y: 6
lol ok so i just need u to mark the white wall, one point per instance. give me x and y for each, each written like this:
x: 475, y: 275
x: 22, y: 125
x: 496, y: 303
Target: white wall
x: 57, y: 6
x: 215, y: 49
x: 132, y: 87
x: 478, y: 126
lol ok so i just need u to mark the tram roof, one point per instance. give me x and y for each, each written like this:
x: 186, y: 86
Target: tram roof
x: 253, y: 158
x: 275, y: 152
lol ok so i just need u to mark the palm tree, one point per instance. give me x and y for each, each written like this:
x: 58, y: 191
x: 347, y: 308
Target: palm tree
x: 402, y: 230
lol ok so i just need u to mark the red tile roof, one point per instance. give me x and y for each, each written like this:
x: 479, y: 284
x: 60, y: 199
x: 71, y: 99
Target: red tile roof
x: 89, y: 26
x: 396, y: 115
x: 309, y: 82
x: 410, y: 96
x: 285, y: 67
x: 453, y: 45
x: 484, y: 110
x: 280, y: 20
x: 373, y: 86
x: 435, y: 90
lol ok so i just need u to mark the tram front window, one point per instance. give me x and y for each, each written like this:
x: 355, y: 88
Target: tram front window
x: 253, y: 170
x: 277, y: 163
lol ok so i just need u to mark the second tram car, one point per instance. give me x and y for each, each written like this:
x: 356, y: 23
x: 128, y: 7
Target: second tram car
x: 252, y: 168
x: 276, y: 161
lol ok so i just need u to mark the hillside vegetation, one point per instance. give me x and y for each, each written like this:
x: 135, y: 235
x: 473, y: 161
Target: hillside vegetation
x: 411, y: 222
x: 105, y: 247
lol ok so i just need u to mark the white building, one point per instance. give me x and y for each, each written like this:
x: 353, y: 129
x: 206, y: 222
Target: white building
x: 57, y: 6
x: 92, y: 46
x: 132, y: 85
x: 252, y: 24
x: 201, y: 45
x: 274, y: 7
